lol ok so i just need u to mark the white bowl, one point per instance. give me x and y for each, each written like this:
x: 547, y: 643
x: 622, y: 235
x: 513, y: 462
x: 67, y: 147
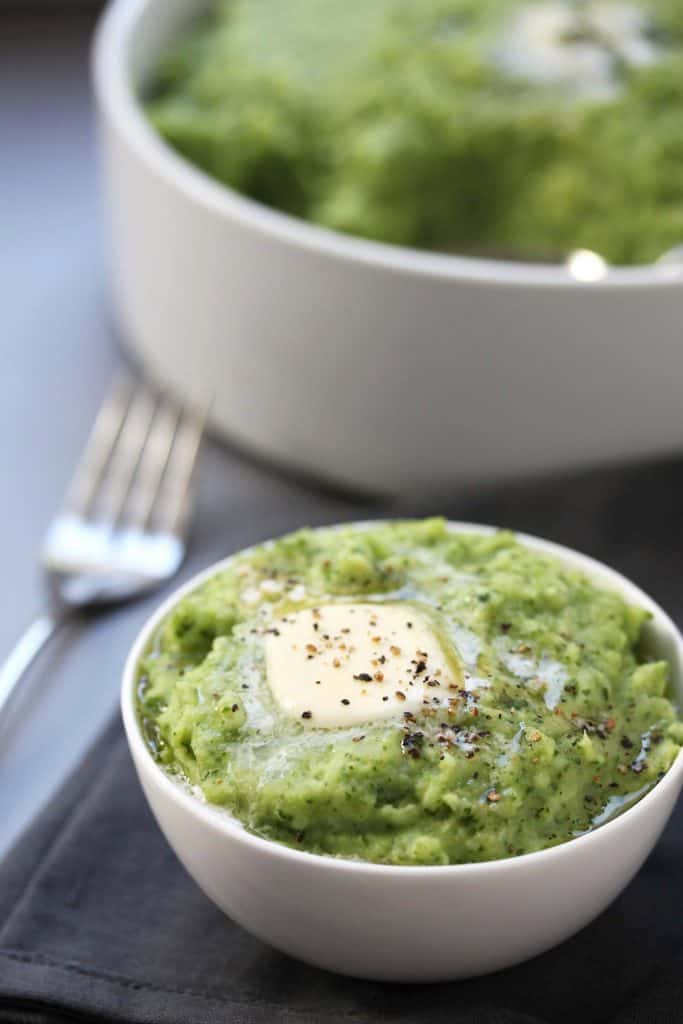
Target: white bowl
x: 370, y: 365
x: 409, y: 923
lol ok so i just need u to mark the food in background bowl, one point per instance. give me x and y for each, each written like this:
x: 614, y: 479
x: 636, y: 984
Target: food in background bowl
x: 405, y: 694
x: 486, y: 127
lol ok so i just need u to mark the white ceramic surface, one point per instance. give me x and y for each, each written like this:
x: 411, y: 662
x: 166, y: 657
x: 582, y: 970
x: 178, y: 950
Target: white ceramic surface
x: 409, y: 923
x: 366, y: 364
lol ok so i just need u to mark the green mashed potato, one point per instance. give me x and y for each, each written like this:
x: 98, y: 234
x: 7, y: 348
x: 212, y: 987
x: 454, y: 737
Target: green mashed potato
x: 491, y: 127
x: 549, y: 720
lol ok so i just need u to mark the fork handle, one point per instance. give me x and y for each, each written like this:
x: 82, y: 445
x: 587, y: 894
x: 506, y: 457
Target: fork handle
x: 27, y: 647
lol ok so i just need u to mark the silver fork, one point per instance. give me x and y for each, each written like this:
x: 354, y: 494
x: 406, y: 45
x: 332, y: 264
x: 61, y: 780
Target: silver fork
x: 122, y: 528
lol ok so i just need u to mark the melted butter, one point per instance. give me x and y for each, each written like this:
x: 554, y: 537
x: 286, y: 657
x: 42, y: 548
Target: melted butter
x: 344, y: 664
x: 545, y: 675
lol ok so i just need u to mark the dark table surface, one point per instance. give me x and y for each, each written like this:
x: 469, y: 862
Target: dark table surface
x: 56, y: 357
x: 58, y: 352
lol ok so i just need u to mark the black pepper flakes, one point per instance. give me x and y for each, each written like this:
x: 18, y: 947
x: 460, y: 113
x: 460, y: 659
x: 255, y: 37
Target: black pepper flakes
x: 411, y: 744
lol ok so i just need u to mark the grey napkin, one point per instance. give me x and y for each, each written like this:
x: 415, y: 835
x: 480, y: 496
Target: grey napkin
x: 99, y: 922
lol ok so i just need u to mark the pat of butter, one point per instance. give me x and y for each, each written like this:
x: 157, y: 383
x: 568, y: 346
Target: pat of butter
x: 343, y: 664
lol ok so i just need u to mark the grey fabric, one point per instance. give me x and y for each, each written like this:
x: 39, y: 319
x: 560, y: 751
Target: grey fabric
x: 100, y: 922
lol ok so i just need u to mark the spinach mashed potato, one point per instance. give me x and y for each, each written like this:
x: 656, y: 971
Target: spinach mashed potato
x: 522, y: 128
x: 405, y: 694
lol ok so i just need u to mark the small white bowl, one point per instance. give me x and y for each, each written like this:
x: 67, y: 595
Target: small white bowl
x: 369, y: 365
x: 409, y: 923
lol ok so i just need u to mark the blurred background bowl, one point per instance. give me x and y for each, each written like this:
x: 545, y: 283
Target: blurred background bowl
x: 367, y: 365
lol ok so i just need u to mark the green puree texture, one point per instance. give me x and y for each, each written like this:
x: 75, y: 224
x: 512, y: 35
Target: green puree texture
x: 572, y: 727
x: 394, y: 120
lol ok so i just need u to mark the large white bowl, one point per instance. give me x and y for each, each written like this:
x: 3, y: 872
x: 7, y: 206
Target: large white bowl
x: 409, y: 923
x: 367, y: 364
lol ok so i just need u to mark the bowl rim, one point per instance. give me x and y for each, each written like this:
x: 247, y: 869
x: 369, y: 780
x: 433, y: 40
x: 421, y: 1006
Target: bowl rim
x: 118, y: 103
x: 220, y: 820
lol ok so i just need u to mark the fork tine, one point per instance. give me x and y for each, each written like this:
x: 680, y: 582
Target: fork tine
x: 148, y: 479
x: 177, y: 484
x: 125, y: 457
x: 99, y: 447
